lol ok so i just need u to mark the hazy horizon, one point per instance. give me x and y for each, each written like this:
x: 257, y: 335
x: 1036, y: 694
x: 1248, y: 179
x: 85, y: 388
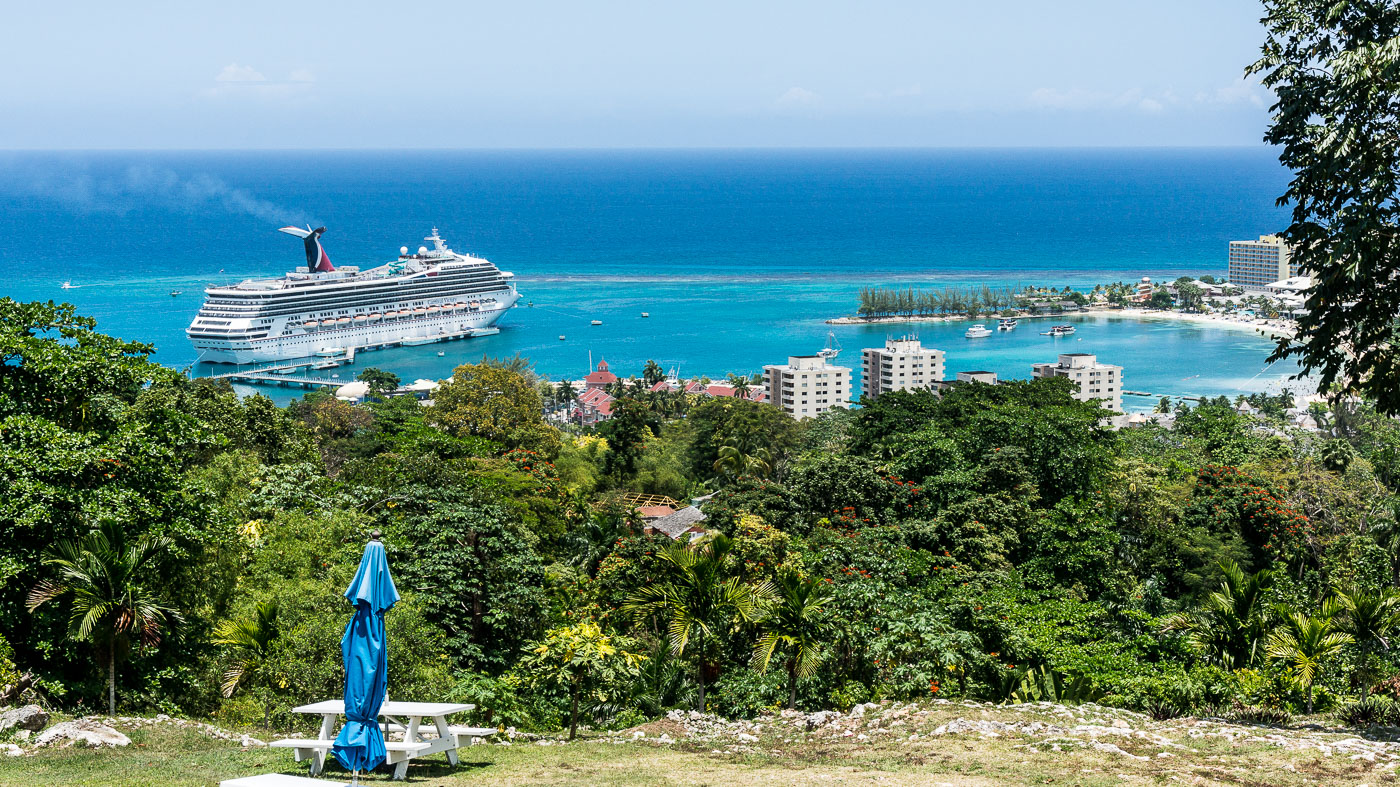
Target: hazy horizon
x: 621, y: 75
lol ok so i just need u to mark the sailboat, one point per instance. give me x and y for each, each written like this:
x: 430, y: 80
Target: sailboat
x: 832, y: 348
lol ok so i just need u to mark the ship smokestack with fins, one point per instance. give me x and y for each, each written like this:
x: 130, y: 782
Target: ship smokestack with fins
x: 317, y: 261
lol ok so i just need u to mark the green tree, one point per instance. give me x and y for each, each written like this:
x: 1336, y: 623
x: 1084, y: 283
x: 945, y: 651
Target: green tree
x: 496, y: 403
x: 740, y: 384
x: 696, y: 598
x: 380, y: 382
x: 1303, y: 642
x: 249, y: 641
x: 652, y: 373
x: 1335, y: 69
x: 800, y: 620
x: 1161, y: 299
x: 583, y: 660
x: 1230, y: 627
x: 110, y: 605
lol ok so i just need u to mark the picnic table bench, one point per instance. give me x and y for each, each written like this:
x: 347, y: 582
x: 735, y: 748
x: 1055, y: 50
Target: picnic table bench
x: 404, y: 719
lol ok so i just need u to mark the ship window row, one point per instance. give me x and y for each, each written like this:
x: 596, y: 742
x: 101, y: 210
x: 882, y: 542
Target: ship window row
x: 423, y: 290
x: 453, y: 278
x: 370, y: 300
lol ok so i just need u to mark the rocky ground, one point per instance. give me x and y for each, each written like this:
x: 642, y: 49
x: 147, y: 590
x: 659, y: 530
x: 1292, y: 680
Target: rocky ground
x: 934, y: 742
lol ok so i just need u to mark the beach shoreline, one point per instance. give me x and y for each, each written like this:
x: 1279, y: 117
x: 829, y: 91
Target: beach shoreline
x: 1271, y: 329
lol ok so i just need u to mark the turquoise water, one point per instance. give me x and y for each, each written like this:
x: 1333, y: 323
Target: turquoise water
x: 738, y: 256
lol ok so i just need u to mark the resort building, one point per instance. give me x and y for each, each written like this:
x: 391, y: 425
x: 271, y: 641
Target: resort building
x: 1254, y: 265
x: 901, y: 365
x: 1096, y: 380
x: 601, y: 378
x: 990, y: 378
x: 807, y: 385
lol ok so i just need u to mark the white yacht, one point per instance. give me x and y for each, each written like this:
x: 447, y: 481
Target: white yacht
x: 1006, y: 324
x: 978, y: 331
x: 419, y: 298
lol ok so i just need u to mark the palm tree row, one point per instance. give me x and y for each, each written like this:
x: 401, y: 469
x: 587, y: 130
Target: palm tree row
x: 703, y: 593
x: 893, y: 301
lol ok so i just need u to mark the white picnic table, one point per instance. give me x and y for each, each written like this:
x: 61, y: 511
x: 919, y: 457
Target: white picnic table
x: 402, y: 723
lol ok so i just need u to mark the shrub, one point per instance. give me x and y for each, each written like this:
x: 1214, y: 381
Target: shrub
x: 1258, y: 714
x: 1370, y: 712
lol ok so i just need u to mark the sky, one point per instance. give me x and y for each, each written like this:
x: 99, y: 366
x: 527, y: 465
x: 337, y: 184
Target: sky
x: 613, y: 74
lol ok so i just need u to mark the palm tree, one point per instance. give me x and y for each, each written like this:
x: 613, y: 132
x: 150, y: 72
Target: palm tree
x: 101, y: 571
x: 1337, y: 455
x: 250, y: 639
x: 800, y: 622
x: 565, y: 391
x: 1229, y: 628
x: 653, y: 373
x: 740, y: 384
x: 698, y: 594
x: 1304, y: 641
x: 736, y: 458
x: 1370, y: 615
x: 1164, y: 405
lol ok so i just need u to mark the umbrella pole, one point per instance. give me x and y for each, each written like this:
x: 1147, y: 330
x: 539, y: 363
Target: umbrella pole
x: 355, y: 777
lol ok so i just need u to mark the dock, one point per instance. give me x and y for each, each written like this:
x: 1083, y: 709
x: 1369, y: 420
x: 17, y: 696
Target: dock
x: 283, y: 373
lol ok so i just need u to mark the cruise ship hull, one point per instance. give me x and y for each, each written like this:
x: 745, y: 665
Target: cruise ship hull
x: 360, y: 337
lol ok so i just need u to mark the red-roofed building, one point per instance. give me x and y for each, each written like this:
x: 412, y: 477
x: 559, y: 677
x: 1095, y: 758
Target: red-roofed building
x: 664, y: 385
x: 695, y: 387
x: 593, y: 405
x: 601, y: 378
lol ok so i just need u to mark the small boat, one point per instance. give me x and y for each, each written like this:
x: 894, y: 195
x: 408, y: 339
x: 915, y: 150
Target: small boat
x: 1006, y: 324
x: 1064, y: 329
x: 978, y: 331
x: 1056, y: 332
x: 441, y: 353
x: 68, y: 285
x: 174, y: 293
x: 596, y: 322
x: 644, y: 314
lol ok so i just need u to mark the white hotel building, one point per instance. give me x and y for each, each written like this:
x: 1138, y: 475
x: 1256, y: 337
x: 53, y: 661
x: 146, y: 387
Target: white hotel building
x: 1096, y: 380
x: 1254, y: 265
x: 901, y: 365
x: 807, y: 385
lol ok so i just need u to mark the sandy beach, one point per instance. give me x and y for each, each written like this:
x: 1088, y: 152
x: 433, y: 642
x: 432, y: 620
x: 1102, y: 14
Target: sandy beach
x: 1272, y: 329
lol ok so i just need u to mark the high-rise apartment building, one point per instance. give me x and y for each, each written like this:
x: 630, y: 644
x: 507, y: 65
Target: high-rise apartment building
x: 807, y: 385
x: 1096, y: 380
x: 1255, y: 264
x: 901, y: 365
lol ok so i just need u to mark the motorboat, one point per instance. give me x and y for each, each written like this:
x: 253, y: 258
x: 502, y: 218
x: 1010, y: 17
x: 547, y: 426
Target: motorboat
x: 978, y: 331
x: 1006, y: 324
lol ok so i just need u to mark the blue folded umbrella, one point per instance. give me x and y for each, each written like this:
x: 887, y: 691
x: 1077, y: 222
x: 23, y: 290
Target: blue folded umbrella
x: 360, y: 744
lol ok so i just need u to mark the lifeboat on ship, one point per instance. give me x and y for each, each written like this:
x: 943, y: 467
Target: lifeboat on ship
x: 375, y: 316
x: 434, y: 309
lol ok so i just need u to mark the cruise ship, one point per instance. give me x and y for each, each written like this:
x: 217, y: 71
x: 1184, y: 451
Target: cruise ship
x: 419, y: 298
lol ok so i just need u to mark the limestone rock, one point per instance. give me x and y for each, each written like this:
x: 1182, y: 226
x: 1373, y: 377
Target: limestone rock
x: 30, y: 717
x: 83, y: 732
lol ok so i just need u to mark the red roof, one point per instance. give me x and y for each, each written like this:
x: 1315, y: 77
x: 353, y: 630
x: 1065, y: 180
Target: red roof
x: 593, y: 396
x: 600, y: 377
x: 694, y: 386
x: 664, y: 385
x: 719, y: 390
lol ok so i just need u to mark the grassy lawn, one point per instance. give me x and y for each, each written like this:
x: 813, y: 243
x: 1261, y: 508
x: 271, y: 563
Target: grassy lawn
x: 171, y: 757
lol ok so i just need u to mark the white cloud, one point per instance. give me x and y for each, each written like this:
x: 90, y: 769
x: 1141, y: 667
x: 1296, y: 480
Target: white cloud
x: 236, y: 79
x: 1150, y: 105
x: 236, y: 73
x: 798, y: 97
x: 1241, y: 91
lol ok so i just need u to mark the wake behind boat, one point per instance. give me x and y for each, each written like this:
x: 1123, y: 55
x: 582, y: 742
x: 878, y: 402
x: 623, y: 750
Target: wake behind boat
x: 419, y: 298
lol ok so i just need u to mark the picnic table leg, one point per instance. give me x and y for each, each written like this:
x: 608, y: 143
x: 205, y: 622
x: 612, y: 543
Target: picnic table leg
x: 318, y: 758
x: 446, y: 734
x: 410, y: 735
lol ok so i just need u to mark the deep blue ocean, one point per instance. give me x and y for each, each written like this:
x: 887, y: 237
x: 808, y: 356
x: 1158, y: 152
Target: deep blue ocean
x: 738, y: 256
